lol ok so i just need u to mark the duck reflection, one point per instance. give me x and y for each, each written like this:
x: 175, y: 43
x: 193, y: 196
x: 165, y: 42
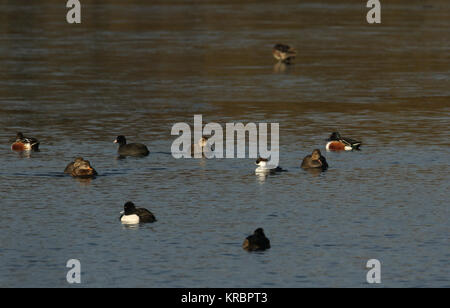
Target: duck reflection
x: 130, y: 227
x: 84, y: 181
x: 24, y: 154
x: 262, y: 177
x: 315, y: 172
x: 280, y: 67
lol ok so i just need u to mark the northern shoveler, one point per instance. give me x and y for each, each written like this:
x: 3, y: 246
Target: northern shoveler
x: 315, y: 160
x: 23, y: 143
x: 132, y: 149
x: 133, y: 215
x: 257, y: 241
x: 338, y: 143
x: 284, y: 53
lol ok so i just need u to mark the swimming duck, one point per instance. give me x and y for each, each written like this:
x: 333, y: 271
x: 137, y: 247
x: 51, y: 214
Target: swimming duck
x: 284, y: 53
x: 338, y: 143
x: 257, y: 241
x: 133, y: 215
x: 132, y: 149
x: 315, y: 160
x: 265, y: 168
x: 69, y: 167
x: 23, y: 143
x: 83, y: 169
x: 199, y: 147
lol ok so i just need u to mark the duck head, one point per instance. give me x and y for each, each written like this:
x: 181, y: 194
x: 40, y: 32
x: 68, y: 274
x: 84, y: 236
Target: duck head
x: 316, y: 155
x: 259, y: 232
x: 334, y: 137
x: 84, y: 165
x: 261, y: 161
x: 121, y: 140
x: 129, y: 208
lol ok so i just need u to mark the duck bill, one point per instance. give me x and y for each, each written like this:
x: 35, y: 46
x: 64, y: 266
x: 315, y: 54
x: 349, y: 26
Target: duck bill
x: 115, y: 141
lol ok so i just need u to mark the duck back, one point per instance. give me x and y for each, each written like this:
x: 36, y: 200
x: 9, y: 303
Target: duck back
x: 133, y: 149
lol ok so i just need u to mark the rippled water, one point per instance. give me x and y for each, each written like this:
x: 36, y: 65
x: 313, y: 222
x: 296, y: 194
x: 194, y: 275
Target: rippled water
x: 137, y: 68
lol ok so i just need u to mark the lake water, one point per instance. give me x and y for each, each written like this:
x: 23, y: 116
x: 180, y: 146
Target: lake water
x: 136, y: 69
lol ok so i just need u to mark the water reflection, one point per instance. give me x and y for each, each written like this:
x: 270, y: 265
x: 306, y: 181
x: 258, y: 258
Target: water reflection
x: 315, y: 172
x: 23, y: 154
x: 129, y: 226
x: 262, y: 177
x: 280, y: 67
x: 84, y: 181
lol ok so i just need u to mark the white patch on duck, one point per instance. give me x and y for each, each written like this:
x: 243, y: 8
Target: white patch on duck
x: 264, y: 167
x: 130, y: 219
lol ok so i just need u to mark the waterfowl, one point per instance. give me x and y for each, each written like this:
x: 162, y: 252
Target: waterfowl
x: 264, y: 167
x: 257, y: 241
x: 69, y: 167
x: 132, y: 149
x: 315, y: 160
x: 23, y: 143
x: 83, y: 169
x: 284, y: 53
x: 200, y: 147
x: 133, y: 215
x: 338, y: 143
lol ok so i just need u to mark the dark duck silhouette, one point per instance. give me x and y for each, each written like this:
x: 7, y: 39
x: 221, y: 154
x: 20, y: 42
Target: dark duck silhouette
x: 257, y: 241
x: 131, y: 149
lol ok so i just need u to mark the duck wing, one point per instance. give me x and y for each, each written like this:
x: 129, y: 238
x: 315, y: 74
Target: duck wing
x: 351, y: 142
x: 69, y: 168
x: 145, y: 215
x: 29, y: 140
